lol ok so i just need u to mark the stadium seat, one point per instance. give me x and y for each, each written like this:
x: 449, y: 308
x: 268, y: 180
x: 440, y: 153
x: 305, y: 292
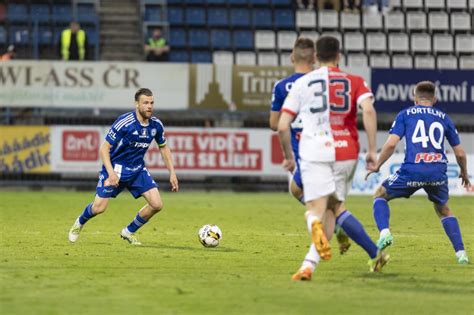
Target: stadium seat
x: 198, y: 38
x: 446, y: 62
x: 460, y: 21
x: 328, y: 19
x: 177, y: 38
x: 237, y: 2
x: 471, y: 5
x: 264, y: 39
x: 281, y: 3
x: 40, y: 12
x: 220, y: 39
x: 402, y: 61
x: 222, y: 57
x: 62, y: 13
x: 262, y: 18
x: 424, y: 62
x: 377, y: 42
x: 394, y: 21
x: 313, y: 35
x: 85, y: 13
x: 284, y: 19
x: 45, y: 35
x: 267, y: 58
x: 305, y: 19
x: 438, y: 21
x: 217, y: 17
x: 3, y: 35
x: 243, y: 40
x: 398, y: 42
x: 217, y: 2
x: 379, y: 61
x: 456, y: 4
x: 350, y: 21
x: 195, y: 16
x: 179, y: 56
x: 372, y: 21
x: 416, y: 21
x: 286, y: 40
x: 19, y: 35
x: 175, y: 16
x: 357, y: 60
x: 434, y: 5
x: 259, y: 2
x: 465, y: 43
x: 420, y: 43
x: 413, y: 4
x: 466, y: 62
x: 354, y: 41
x: 443, y: 43
x: 396, y: 4
x: 17, y: 12
x: 92, y: 35
x: 202, y: 56
x: 247, y: 58
x: 240, y: 18
x: 285, y: 59
x: 153, y: 13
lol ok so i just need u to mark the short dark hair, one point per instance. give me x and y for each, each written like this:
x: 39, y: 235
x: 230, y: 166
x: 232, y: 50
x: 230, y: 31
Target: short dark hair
x: 425, y: 89
x: 327, y: 48
x: 303, y: 50
x: 142, y: 91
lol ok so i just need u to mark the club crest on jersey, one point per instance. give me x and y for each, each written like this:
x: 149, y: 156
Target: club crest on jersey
x: 153, y: 132
x: 429, y: 157
x: 144, y: 133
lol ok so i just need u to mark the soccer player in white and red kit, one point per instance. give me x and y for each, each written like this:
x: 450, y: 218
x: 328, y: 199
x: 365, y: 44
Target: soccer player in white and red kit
x: 341, y: 93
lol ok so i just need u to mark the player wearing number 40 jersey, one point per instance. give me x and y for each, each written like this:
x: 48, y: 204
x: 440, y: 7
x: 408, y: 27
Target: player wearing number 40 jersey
x: 122, y: 155
x: 424, y: 129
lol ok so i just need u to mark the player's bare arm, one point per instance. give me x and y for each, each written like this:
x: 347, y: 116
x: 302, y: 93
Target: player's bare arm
x: 462, y: 162
x: 387, y: 151
x: 273, y: 120
x: 113, y: 179
x: 369, y: 119
x: 166, y: 155
x: 285, y: 140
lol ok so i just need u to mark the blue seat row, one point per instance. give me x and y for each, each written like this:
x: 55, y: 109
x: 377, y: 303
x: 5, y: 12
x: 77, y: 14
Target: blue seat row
x: 233, y: 2
x: 196, y: 56
x: 235, y: 17
x: 43, y: 13
x: 216, y: 39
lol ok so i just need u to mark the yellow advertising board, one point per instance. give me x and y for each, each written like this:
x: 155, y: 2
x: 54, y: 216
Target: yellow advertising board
x: 24, y: 149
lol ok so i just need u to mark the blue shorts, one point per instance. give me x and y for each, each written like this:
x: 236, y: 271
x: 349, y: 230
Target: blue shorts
x: 404, y: 184
x: 297, y: 176
x: 137, y: 185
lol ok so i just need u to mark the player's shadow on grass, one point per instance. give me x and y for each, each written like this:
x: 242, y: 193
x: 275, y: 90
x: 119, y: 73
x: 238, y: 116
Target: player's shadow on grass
x: 189, y: 248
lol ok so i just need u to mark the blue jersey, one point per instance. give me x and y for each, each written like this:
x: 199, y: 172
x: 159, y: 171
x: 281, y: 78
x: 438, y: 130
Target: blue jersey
x: 279, y: 93
x: 424, y: 129
x: 129, y: 142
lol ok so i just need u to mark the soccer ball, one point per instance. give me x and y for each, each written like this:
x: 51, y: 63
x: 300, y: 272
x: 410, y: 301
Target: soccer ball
x: 210, y: 235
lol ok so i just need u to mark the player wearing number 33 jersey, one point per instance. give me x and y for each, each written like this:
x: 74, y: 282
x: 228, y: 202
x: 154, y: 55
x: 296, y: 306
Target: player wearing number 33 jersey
x: 424, y: 129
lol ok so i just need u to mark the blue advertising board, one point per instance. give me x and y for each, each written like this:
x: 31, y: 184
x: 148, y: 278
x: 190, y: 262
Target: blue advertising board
x: 393, y: 89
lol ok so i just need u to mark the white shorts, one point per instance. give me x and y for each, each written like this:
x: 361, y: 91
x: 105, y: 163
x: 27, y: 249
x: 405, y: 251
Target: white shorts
x: 327, y: 178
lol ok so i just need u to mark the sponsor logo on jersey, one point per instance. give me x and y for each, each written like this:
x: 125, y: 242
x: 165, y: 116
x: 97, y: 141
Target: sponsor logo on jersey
x: 429, y: 157
x: 80, y: 145
x: 112, y: 134
x: 144, y: 133
x: 153, y: 132
x: 341, y: 144
x: 135, y: 133
x: 141, y: 145
x: 421, y: 184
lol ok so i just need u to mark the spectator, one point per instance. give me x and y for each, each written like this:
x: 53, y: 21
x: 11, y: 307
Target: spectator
x: 73, y: 43
x: 351, y: 5
x: 373, y: 6
x: 301, y: 5
x: 156, y: 48
x: 9, y: 54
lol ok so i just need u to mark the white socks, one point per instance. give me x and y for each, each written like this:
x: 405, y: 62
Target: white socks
x: 311, y: 259
x: 309, y: 221
x: 384, y: 232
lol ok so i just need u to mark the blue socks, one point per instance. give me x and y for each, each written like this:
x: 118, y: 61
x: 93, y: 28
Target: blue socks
x: 356, y: 232
x: 136, y: 224
x: 381, y: 213
x: 86, y: 215
x: 451, y: 227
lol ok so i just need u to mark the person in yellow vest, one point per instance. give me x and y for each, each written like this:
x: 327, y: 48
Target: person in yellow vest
x: 73, y: 43
x: 156, y: 48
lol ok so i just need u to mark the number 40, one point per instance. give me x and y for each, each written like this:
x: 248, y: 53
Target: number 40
x: 419, y: 135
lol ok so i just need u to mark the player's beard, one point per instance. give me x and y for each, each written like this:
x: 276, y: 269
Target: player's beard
x: 145, y: 114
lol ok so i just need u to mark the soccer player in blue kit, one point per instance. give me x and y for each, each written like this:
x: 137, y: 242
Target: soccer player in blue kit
x: 123, y: 166
x: 424, y: 129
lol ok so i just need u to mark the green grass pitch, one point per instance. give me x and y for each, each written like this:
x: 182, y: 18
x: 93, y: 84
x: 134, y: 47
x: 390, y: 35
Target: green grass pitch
x: 264, y: 241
